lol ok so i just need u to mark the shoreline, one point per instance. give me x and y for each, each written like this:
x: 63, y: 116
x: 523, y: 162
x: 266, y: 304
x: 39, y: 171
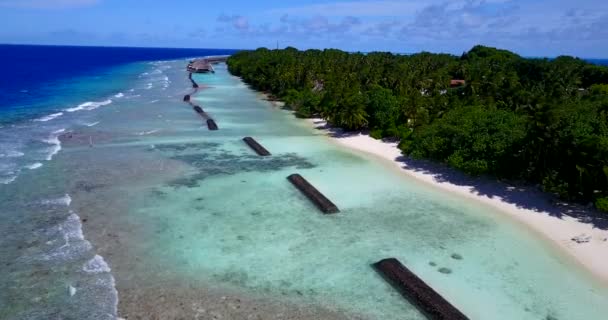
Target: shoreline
x: 557, y: 223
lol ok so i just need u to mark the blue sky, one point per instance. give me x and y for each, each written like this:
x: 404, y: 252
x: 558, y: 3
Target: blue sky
x: 529, y: 27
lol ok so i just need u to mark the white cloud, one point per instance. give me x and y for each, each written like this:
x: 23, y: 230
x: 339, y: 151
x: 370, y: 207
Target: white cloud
x: 356, y: 8
x: 236, y: 21
x: 47, y: 4
x: 377, y: 8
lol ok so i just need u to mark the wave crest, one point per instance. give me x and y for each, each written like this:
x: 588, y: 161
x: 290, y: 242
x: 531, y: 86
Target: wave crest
x: 89, y: 105
x: 49, y: 117
x: 55, y: 143
x: 96, y: 265
x: 34, y: 166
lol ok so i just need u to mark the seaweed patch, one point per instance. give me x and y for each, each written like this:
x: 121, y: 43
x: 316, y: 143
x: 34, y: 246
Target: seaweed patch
x: 208, y: 165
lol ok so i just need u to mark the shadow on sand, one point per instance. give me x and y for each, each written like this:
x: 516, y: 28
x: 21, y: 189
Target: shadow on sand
x: 519, y: 194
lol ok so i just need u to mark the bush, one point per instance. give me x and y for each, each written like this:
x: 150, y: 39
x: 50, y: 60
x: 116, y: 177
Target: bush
x: 303, y: 112
x: 376, y: 134
x: 602, y: 204
x: 472, y: 167
x: 553, y: 184
x: 599, y: 89
x: 472, y: 139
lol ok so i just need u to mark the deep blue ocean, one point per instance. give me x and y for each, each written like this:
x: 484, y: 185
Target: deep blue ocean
x: 39, y: 79
x: 43, y: 87
x: 601, y: 62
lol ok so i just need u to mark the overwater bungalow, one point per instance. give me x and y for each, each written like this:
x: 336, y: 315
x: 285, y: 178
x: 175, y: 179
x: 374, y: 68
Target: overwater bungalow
x: 205, y: 65
x: 200, y: 66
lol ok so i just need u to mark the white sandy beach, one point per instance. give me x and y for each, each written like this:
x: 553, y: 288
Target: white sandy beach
x: 557, y: 223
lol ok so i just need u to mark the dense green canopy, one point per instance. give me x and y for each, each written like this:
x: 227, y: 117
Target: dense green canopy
x: 540, y: 120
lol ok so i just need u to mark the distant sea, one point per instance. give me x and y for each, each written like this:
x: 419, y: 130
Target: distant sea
x: 36, y: 79
x: 42, y: 83
x: 601, y: 62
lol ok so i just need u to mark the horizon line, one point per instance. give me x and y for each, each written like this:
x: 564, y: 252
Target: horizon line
x: 245, y: 49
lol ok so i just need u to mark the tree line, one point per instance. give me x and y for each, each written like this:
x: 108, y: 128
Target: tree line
x: 539, y: 120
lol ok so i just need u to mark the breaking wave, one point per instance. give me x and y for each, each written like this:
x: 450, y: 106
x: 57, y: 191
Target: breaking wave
x: 55, y: 143
x: 49, y: 117
x: 64, y: 201
x: 96, y: 265
x: 12, y: 154
x: 91, y: 124
x: 145, y: 133
x: 34, y: 166
x: 89, y: 105
x: 7, y: 180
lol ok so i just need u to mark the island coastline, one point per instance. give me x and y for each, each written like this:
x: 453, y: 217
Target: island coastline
x: 558, y: 223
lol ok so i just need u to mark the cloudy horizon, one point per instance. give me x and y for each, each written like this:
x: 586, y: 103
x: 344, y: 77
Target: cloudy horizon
x: 530, y: 28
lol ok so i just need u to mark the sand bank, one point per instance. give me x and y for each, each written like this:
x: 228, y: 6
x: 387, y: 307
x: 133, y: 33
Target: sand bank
x: 560, y: 223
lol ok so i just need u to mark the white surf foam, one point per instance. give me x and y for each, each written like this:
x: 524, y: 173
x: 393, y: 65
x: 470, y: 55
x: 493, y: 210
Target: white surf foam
x: 119, y: 95
x: 149, y: 86
x: 55, y: 143
x: 53, y: 151
x: 65, y: 200
x: 145, y: 133
x: 71, y: 290
x: 34, y: 166
x: 69, y: 246
x: 106, y: 280
x: 49, y: 117
x: 72, y: 226
x: 166, y: 82
x: 96, y: 265
x: 98, y: 268
x: 12, y: 154
x: 7, y: 180
x: 91, y: 124
x: 89, y: 105
x: 74, y: 245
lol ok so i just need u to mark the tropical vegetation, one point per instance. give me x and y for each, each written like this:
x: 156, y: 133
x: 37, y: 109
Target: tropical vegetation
x: 544, y: 121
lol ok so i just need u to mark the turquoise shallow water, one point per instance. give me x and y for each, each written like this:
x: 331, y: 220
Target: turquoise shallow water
x: 164, y: 198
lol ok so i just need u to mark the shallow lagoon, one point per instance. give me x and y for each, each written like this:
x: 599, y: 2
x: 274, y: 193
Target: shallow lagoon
x: 168, y: 202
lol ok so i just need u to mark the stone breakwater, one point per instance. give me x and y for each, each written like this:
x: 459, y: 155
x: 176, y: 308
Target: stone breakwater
x: 211, y: 124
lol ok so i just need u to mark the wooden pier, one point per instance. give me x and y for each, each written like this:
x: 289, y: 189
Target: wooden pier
x: 431, y: 303
x: 313, y: 194
x: 256, y: 146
